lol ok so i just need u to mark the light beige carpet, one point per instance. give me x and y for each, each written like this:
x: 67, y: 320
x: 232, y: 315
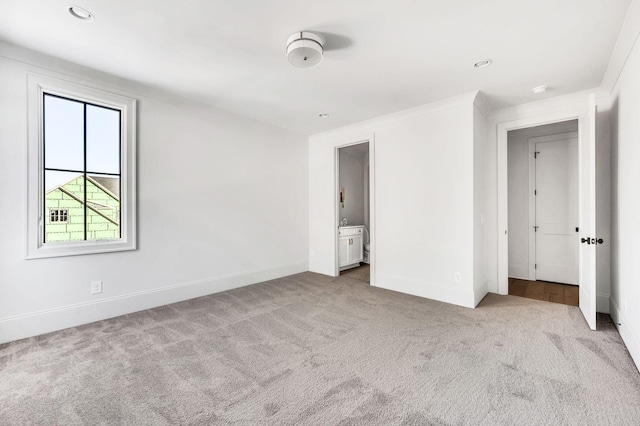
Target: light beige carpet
x: 310, y: 349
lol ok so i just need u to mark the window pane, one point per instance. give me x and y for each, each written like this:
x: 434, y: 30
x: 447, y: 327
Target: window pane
x: 103, y: 207
x: 63, y: 133
x: 103, y: 140
x: 64, y: 192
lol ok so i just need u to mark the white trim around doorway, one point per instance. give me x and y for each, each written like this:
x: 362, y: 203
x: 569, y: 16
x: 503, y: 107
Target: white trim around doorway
x: 571, y: 112
x: 372, y: 210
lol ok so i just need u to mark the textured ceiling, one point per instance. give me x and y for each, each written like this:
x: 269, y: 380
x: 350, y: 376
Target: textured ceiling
x: 381, y: 56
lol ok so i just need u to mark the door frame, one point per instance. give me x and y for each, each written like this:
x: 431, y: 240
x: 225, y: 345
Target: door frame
x: 532, y: 209
x: 372, y: 210
x: 572, y: 112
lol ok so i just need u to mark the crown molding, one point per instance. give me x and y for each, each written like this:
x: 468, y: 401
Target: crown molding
x: 627, y: 39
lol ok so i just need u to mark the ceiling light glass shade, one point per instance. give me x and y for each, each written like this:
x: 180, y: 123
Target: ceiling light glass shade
x: 304, y: 49
x: 539, y: 89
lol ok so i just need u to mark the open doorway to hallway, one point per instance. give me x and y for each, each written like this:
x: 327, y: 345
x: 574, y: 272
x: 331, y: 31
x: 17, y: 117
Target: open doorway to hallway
x: 354, y: 255
x: 543, y: 212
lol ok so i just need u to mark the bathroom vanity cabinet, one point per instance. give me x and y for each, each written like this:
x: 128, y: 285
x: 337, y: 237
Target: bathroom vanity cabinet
x: 350, y: 246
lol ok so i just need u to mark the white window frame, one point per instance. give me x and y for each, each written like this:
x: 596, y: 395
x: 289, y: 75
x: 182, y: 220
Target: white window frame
x: 37, y: 86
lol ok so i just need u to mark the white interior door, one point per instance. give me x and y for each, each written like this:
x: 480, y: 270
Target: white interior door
x: 587, y: 156
x: 556, y: 208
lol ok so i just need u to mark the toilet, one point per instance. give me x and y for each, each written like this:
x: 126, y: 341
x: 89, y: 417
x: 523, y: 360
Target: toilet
x: 365, y: 257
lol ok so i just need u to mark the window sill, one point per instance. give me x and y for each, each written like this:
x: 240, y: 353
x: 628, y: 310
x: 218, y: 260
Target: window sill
x: 77, y: 249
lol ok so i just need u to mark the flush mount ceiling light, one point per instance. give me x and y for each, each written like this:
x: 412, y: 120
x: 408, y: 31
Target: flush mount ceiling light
x: 80, y: 13
x: 304, y: 49
x: 482, y: 64
x: 539, y: 89
x: 323, y: 115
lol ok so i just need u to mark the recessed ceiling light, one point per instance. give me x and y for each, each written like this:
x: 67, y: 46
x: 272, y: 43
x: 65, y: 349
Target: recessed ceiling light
x: 539, y: 89
x: 483, y: 63
x: 323, y: 115
x: 80, y: 13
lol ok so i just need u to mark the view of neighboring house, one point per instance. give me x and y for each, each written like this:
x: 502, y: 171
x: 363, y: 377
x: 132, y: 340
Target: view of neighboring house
x: 65, y: 212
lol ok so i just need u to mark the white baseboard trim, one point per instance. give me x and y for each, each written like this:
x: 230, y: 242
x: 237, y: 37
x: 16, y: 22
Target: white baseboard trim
x: 480, y: 293
x: 602, y: 303
x: 492, y: 286
x: 41, y: 322
x: 322, y: 268
x: 628, y: 334
x: 455, y: 296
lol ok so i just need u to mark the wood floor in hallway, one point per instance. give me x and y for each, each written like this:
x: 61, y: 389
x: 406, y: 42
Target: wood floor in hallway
x: 541, y: 290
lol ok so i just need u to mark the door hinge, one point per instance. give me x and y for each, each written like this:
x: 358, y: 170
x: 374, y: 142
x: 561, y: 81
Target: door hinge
x: 535, y: 192
x: 577, y: 229
x: 535, y: 266
x: 535, y: 154
x: 535, y: 228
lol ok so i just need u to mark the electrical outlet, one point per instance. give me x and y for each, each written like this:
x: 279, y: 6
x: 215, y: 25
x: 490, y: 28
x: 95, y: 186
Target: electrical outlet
x: 96, y: 287
x: 457, y: 277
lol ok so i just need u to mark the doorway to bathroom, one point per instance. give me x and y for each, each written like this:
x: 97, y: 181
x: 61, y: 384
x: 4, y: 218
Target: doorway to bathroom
x: 353, y: 209
x: 543, y: 212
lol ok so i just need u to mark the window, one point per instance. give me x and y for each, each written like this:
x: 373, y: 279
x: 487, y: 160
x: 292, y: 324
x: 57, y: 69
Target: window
x: 81, y: 170
x: 81, y: 144
x: 58, y: 215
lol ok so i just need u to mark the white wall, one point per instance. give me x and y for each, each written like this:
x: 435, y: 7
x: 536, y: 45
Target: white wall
x: 352, y: 167
x: 222, y: 202
x: 625, y: 202
x: 480, y: 133
x: 423, y: 201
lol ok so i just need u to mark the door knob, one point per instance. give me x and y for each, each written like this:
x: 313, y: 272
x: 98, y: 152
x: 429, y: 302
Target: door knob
x: 592, y: 240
